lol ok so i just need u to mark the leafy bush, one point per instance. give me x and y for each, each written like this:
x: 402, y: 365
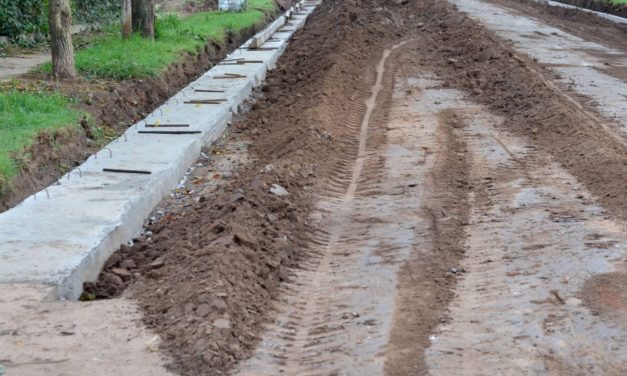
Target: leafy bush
x: 96, y: 12
x: 19, y: 18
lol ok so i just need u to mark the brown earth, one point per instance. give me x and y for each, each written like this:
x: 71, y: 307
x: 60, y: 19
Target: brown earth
x: 428, y: 278
x: 208, y: 278
x: 606, y: 293
x: 518, y: 88
x: 113, y: 105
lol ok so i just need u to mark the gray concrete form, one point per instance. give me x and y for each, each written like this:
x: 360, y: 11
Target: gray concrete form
x: 63, y: 235
x: 607, y: 16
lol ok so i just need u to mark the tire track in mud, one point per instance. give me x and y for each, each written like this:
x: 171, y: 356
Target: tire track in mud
x: 336, y: 316
x: 535, y: 236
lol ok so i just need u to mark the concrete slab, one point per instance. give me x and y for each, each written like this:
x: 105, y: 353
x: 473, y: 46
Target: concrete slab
x: 62, y: 236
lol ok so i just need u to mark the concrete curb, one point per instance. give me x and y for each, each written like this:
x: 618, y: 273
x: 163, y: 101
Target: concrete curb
x: 607, y: 16
x: 62, y: 236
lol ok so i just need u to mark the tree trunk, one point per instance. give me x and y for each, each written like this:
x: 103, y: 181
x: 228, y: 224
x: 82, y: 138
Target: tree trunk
x: 144, y: 17
x: 127, y: 19
x: 60, y: 26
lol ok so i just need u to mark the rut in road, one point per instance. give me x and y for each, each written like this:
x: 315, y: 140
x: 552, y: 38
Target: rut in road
x: 336, y: 314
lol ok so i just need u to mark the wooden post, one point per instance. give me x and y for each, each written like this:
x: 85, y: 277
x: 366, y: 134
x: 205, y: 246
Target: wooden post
x: 60, y: 28
x: 127, y: 19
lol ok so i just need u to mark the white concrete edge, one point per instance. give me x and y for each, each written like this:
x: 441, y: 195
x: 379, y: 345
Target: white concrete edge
x: 263, y: 37
x: 69, y: 286
x: 606, y: 16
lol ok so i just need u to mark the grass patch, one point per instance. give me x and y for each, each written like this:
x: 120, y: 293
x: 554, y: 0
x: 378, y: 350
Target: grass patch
x: 109, y: 56
x: 619, y: 2
x: 22, y: 116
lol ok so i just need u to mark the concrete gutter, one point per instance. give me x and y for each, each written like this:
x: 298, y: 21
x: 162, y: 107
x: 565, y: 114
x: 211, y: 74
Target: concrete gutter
x: 607, y: 16
x: 63, y: 235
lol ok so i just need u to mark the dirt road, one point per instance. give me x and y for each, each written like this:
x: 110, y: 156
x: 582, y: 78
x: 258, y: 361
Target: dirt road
x: 453, y: 203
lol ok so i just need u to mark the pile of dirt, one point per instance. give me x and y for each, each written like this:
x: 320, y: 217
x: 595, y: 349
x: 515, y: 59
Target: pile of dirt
x: 113, y: 106
x: 207, y: 279
x: 599, y: 6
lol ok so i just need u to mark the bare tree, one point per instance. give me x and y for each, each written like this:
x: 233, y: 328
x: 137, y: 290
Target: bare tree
x: 144, y: 17
x: 127, y: 19
x: 60, y: 26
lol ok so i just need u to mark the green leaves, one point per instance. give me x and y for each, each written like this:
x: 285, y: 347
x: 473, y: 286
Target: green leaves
x: 26, y: 21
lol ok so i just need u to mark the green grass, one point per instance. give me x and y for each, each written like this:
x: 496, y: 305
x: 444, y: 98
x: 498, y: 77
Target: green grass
x: 109, y: 56
x: 22, y: 116
x: 619, y: 1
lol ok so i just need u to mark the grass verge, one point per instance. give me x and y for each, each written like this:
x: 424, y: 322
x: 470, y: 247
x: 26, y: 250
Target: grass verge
x: 22, y: 116
x: 109, y: 56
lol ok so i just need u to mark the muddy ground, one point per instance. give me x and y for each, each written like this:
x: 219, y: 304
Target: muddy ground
x: 450, y: 209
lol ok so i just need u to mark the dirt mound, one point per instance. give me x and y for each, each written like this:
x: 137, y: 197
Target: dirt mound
x: 208, y: 278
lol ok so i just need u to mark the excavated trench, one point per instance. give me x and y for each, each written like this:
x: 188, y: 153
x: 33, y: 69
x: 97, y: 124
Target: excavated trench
x: 450, y: 210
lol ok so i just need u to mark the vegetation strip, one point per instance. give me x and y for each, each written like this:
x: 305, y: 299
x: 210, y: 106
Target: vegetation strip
x: 28, y: 111
x: 22, y: 117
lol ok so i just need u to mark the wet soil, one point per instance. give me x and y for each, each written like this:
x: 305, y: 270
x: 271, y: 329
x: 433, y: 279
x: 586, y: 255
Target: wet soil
x: 401, y: 208
x: 515, y: 86
x: 112, y: 105
x: 208, y: 279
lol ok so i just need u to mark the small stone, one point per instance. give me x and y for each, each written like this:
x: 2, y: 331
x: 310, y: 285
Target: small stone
x: 204, y: 298
x: 113, y: 260
x: 222, y: 324
x: 122, y: 273
x: 278, y: 190
x: 189, y: 308
x: 218, y: 303
x: 128, y: 264
x: 203, y: 310
x: 242, y: 237
x: 236, y: 197
x: 112, y: 279
x: 158, y: 263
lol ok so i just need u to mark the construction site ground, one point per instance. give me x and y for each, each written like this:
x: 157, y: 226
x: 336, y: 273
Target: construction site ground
x: 421, y: 187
